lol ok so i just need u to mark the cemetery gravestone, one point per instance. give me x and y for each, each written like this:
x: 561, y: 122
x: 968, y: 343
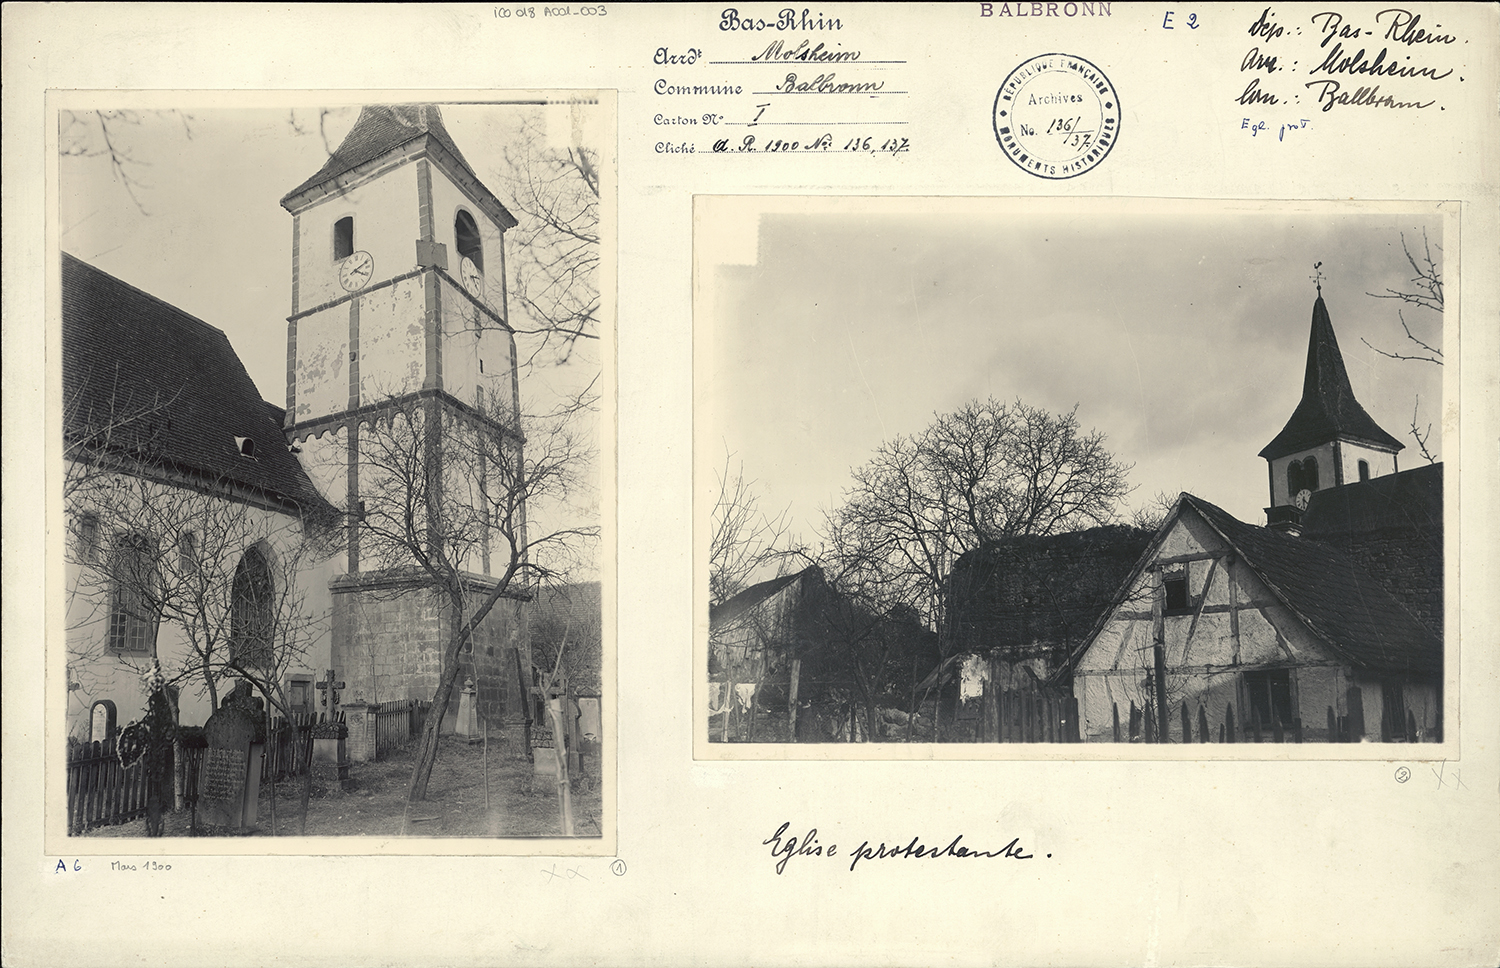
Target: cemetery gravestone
x: 229, y: 787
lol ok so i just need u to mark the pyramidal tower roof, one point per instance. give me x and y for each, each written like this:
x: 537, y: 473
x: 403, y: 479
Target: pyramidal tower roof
x: 1328, y: 409
x: 383, y: 130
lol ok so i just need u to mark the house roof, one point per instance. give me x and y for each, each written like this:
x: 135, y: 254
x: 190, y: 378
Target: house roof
x: 1392, y: 526
x: 382, y: 129
x: 572, y: 612
x: 1027, y: 592
x: 575, y: 604
x: 144, y: 382
x: 1327, y: 409
x: 1336, y: 599
x: 737, y: 605
x: 1409, y: 501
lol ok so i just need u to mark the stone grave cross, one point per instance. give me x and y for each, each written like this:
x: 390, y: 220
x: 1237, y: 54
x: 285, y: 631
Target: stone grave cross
x: 329, y: 688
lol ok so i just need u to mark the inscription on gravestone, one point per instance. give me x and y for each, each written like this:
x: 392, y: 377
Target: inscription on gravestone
x: 224, y: 773
x: 229, y: 783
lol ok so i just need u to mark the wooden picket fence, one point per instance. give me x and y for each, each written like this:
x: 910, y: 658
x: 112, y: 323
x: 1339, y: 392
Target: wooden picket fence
x: 100, y: 790
x: 289, y: 746
x: 1143, y: 726
x: 1027, y: 716
x: 102, y: 793
x: 396, y: 722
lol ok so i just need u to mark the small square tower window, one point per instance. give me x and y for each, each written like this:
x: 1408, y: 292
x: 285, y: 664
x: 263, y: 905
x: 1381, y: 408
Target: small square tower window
x: 1364, y: 470
x: 343, y: 238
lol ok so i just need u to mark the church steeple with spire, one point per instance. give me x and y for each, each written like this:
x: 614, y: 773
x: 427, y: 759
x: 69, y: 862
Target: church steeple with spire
x: 1329, y: 440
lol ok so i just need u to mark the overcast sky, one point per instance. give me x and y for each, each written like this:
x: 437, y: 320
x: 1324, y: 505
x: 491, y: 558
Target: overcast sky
x: 1181, y: 335
x: 213, y: 238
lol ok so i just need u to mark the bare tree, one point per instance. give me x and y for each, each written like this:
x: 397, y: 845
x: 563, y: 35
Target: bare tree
x: 200, y: 557
x: 443, y: 491
x: 109, y: 134
x: 555, y: 197
x: 567, y: 622
x: 1424, y: 291
x: 985, y: 471
x: 871, y: 644
x: 1150, y: 515
x: 743, y: 539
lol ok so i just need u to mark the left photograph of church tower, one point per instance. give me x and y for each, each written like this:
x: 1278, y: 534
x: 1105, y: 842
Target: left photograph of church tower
x: 333, y: 456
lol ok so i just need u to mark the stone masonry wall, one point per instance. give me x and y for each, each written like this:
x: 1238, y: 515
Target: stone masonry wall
x: 388, y: 641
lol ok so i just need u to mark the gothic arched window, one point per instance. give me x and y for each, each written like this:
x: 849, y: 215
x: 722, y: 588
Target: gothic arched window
x: 466, y: 234
x: 251, y: 613
x: 132, y: 572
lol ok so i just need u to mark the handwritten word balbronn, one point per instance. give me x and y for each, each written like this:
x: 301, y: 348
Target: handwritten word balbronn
x: 827, y: 84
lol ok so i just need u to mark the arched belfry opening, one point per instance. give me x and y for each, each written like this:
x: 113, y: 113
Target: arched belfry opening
x: 466, y: 235
x: 1330, y: 440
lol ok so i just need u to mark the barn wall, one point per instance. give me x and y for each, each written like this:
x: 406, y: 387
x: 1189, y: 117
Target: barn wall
x: 1204, y: 661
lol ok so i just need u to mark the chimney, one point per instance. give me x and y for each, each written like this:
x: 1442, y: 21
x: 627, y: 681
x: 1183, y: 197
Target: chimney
x: 1286, y: 519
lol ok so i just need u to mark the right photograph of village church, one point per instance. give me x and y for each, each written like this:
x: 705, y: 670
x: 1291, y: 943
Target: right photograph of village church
x: 973, y: 471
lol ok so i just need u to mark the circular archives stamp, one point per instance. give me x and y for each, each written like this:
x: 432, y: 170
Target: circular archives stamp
x: 1057, y: 116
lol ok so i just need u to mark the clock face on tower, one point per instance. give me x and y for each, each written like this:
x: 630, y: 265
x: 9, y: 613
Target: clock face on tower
x: 1303, y: 496
x: 473, y: 279
x: 356, y: 271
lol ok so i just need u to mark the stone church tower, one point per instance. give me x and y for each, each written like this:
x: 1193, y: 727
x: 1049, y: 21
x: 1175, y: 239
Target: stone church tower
x: 398, y: 303
x: 1330, y: 440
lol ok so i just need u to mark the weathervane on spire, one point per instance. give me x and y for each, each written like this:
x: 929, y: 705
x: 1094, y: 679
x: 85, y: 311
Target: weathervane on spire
x: 1317, y: 278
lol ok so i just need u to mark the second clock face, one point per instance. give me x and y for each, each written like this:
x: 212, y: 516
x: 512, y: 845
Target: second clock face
x: 473, y: 279
x: 356, y: 271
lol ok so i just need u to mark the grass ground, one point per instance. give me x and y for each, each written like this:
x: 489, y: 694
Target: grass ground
x: 375, y: 803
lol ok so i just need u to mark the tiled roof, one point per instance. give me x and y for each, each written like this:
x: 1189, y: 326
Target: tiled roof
x: 1327, y: 409
x: 1392, y: 526
x: 1039, y: 590
x: 382, y: 129
x: 576, y: 604
x: 1411, y: 500
x: 170, y: 390
x: 1337, y: 600
x: 571, y: 611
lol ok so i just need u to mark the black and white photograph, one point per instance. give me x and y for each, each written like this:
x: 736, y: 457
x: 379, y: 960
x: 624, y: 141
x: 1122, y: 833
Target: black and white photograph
x: 332, y: 396
x: 728, y: 484
x: 983, y: 471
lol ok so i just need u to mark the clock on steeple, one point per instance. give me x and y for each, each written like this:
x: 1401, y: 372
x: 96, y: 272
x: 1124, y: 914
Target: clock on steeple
x: 391, y: 301
x: 1329, y: 440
